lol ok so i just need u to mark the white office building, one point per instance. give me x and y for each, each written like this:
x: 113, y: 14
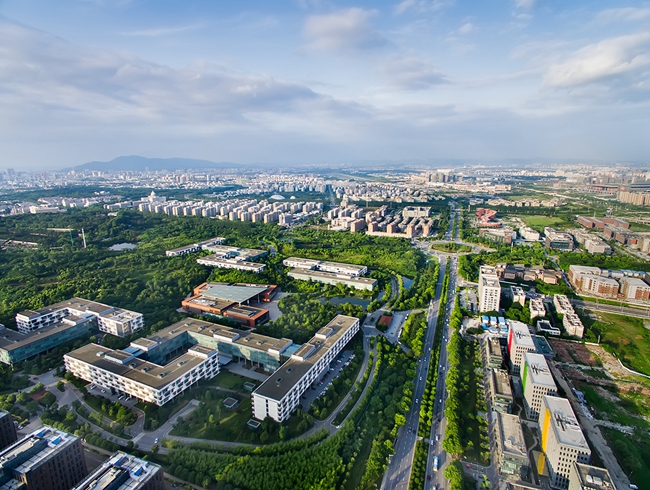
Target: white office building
x: 489, y: 289
x: 536, y: 381
x: 280, y: 394
x: 115, y: 321
x: 519, y: 342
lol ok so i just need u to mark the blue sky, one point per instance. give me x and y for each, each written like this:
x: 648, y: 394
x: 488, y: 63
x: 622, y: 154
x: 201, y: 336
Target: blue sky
x: 311, y: 81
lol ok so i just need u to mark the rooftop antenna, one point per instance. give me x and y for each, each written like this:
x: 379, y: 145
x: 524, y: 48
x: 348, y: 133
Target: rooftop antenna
x: 83, y: 236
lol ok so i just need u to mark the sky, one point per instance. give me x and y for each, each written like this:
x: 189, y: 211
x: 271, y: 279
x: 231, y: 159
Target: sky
x: 322, y: 82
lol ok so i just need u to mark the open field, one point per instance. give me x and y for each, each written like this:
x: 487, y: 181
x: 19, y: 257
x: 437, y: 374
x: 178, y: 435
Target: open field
x: 633, y: 454
x: 625, y: 337
x: 538, y: 222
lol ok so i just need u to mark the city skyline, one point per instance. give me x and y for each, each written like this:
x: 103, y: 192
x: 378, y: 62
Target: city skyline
x: 320, y: 82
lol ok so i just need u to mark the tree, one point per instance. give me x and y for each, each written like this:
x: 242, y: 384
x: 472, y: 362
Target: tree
x: 60, y: 386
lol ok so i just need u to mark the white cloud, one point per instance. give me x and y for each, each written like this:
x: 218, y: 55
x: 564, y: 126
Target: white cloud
x: 346, y: 30
x: 411, y: 73
x: 629, y: 14
x: 161, y: 31
x: 622, y: 55
x: 466, y: 28
x: 421, y: 6
x: 524, y: 4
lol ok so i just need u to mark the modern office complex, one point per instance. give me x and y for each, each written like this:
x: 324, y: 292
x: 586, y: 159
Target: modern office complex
x: 329, y: 273
x: 519, y: 342
x: 489, y: 289
x: 280, y: 394
x: 536, y: 381
x: 563, y: 442
x: 493, y: 352
x: 587, y: 477
x: 194, y: 247
x: 16, y: 346
x: 124, y: 472
x: 7, y: 430
x: 511, y: 446
x: 571, y: 322
x: 558, y: 240
x: 231, y: 301
x: 500, y: 391
x: 47, y: 459
x: 115, y: 321
x: 234, y: 258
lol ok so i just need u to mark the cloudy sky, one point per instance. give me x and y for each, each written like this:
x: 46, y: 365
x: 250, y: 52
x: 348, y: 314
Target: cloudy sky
x: 310, y: 81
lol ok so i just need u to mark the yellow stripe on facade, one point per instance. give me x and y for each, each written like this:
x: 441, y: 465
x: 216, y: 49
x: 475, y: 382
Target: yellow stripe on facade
x: 545, y: 428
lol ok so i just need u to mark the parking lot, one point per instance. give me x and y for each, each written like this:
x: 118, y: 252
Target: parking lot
x: 125, y: 400
x: 321, y: 384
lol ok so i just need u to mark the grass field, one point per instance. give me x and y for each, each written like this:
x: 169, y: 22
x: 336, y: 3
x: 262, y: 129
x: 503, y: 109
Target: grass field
x: 633, y: 454
x: 615, y: 411
x: 231, y: 381
x: 540, y: 222
x: 625, y: 337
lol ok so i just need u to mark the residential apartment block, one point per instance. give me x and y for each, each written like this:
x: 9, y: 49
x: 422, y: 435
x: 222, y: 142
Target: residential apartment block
x: 536, y: 382
x: 571, y: 322
x: 489, y: 289
x: 633, y: 288
x: 537, y: 308
x: 109, y: 319
x: 48, y: 459
x: 512, y: 456
x: 519, y: 342
x: 279, y: 395
x: 124, y: 472
x: 563, y: 442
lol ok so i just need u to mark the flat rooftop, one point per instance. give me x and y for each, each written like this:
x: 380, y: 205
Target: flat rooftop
x: 218, y: 261
x: 593, y: 478
x: 542, y: 346
x: 521, y: 334
x: 510, y: 434
x: 124, y: 364
x: 81, y: 304
x: 237, y: 294
x: 564, y: 422
x: 538, y: 370
x: 501, y: 383
x: 121, y: 472
x: 332, y: 275
x: 284, y: 379
x: 41, y: 444
x: 12, y: 340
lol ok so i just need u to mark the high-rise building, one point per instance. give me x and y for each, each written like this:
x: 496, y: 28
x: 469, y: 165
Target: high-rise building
x: 536, y: 381
x: 489, y: 289
x: 563, y: 442
x: 519, y: 342
x: 124, y: 472
x: 7, y: 430
x: 48, y: 459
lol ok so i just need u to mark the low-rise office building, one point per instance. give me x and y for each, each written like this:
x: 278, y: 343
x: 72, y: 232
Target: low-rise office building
x: 234, y: 258
x: 7, y: 429
x: 16, y: 346
x: 231, y: 301
x: 558, y: 240
x: 537, y: 308
x: 563, y: 442
x: 362, y: 283
x: 279, y: 395
x: 519, y: 342
x: 351, y: 270
x: 512, y: 456
x: 536, y: 382
x: 124, y: 472
x: 500, y: 391
x: 109, y: 319
x: 493, y: 353
x: 544, y: 326
x: 194, y: 247
x: 587, y: 477
x: 122, y: 371
x: 47, y: 459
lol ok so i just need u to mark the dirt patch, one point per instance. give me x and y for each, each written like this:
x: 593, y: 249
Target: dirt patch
x: 573, y: 353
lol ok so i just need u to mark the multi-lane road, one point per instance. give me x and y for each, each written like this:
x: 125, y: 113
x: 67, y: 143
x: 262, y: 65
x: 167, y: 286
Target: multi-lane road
x: 398, y: 473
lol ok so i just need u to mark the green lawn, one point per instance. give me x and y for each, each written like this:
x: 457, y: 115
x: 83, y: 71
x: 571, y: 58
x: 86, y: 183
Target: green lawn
x: 231, y: 381
x: 540, y: 222
x: 625, y: 337
x: 633, y: 454
x: 619, y: 412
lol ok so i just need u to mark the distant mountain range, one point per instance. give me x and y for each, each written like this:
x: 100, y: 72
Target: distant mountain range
x: 138, y: 163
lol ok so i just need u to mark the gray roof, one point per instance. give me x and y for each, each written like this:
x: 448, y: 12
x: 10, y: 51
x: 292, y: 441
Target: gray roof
x: 238, y: 294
